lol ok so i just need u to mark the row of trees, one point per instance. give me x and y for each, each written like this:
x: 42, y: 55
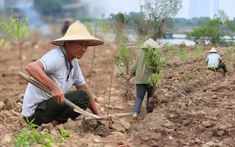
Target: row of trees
x: 151, y: 20
x: 151, y: 23
x: 51, y: 7
x: 155, y: 19
x: 196, y: 21
x: 213, y: 31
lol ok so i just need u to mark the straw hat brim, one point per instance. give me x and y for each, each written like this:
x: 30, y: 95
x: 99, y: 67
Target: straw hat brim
x: 92, y: 41
x: 213, y: 50
x: 78, y: 32
x: 150, y: 43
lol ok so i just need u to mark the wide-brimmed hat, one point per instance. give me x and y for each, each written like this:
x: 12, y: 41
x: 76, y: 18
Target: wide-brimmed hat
x: 213, y: 50
x: 77, y: 32
x: 150, y: 42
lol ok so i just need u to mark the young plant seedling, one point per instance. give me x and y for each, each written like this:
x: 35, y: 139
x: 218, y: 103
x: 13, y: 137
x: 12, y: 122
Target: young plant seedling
x: 30, y: 136
x: 154, y: 63
x: 183, y: 54
x: 228, y: 54
x: 17, y: 29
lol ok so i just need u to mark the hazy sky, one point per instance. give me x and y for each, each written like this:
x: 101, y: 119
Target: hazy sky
x: 225, y: 5
x: 115, y: 6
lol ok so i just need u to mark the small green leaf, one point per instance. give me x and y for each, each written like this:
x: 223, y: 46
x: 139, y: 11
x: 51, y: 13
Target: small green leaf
x: 2, y: 41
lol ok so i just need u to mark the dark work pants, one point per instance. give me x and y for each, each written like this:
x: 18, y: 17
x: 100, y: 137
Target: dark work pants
x: 50, y: 110
x: 141, y: 90
x: 222, y: 65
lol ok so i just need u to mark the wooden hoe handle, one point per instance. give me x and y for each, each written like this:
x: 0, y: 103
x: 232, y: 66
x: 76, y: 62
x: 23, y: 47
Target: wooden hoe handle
x: 66, y: 101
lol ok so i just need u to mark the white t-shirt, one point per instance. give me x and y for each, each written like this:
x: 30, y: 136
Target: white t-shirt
x: 213, y: 60
x: 56, y: 66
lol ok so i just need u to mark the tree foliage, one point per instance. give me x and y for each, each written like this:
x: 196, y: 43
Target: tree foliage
x: 17, y: 29
x: 158, y: 13
x: 120, y: 18
x: 123, y: 58
x: 138, y: 24
x: 120, y: 24
x: 51, y: 7
x: 155, y: 63
x: 212, y: 31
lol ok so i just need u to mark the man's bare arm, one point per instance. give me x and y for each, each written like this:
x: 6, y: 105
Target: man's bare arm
x: 36, y: 70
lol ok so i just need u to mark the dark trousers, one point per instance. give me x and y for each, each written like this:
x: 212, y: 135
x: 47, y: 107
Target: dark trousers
x: 50, y: 110
x: 141, y: 90
x: 222, y: 65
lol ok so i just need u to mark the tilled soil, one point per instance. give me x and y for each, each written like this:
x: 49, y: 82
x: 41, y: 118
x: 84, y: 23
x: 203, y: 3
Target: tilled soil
x: 193, y: 106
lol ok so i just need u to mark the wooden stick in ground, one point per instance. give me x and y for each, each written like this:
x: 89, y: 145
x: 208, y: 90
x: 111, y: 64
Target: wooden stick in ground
x: 66, y: 101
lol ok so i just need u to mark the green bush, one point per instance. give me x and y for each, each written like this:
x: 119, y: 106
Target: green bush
x: 154, y: 62
x: 123, y: 58
x: 212, y: 31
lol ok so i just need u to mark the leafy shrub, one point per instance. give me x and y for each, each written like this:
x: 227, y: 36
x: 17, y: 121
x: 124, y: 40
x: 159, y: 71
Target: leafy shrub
x: 154, y: 62
x: 17, y: 29
x: 123, y: 58
x: 212, y: 31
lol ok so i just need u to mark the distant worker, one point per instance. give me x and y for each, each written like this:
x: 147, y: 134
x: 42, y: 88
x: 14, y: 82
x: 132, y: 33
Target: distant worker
x: 65, y: 27
x: 141, y: 78
x: 214, y: 61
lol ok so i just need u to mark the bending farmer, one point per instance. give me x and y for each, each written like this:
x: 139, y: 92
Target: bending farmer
x: 214, y: 61
x: 58, y: 70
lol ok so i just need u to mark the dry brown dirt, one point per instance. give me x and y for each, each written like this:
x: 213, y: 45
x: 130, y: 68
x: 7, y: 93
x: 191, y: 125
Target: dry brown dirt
x: 194, y: 106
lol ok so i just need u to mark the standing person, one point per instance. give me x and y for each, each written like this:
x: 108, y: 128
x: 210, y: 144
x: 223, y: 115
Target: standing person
x: 141, y: 78
x: 58, y: 70
x: 214, y: 61
x: 65, y: 27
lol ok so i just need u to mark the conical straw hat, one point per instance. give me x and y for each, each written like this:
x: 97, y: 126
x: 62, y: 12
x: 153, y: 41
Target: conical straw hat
x: 78, y: 32
x: 150, y: 42
x: 213, y: 50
